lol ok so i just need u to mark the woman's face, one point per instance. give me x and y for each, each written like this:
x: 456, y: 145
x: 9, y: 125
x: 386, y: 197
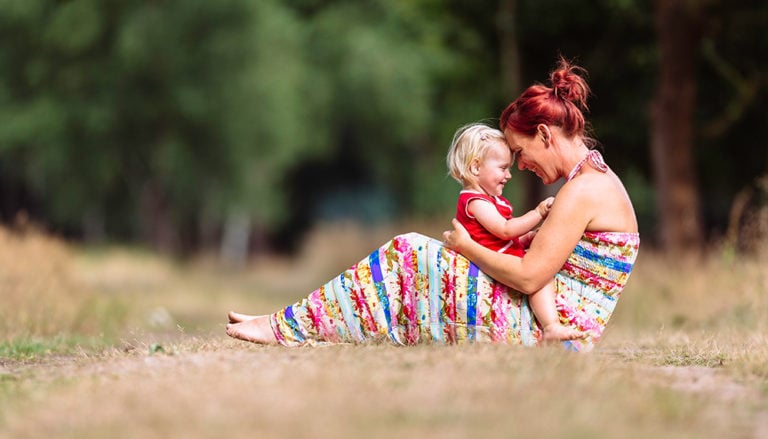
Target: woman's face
x: 531, y: 154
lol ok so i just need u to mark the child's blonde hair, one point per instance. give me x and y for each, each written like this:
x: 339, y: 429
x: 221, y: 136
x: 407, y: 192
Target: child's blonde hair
x: 470, y: 142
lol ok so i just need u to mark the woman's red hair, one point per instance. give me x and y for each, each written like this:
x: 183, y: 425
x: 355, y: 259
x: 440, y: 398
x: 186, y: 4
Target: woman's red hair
x: 560, y: 105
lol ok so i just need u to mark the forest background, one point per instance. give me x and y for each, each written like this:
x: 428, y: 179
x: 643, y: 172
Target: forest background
x: 236, y: 126
x: 143, y: 142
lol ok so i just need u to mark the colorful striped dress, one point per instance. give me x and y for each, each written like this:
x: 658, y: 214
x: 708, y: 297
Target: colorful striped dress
x: 413, y: 290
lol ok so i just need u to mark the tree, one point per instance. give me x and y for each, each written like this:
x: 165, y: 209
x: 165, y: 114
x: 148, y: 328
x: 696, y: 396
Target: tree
x: 672, y: 132
x: 512, y: 84
x: 182, y: 121
x: 150, y: 121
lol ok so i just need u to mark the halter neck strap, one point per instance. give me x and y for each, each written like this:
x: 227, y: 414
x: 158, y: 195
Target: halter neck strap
x: 595, y: 159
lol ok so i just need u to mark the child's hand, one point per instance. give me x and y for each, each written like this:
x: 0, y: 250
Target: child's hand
x: 525, y: 240
x: 544, y: 207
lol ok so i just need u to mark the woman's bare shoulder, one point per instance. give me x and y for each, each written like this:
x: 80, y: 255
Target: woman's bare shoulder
x: 603, y: 201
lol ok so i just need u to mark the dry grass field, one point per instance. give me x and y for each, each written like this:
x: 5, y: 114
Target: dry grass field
x: 121, y: 343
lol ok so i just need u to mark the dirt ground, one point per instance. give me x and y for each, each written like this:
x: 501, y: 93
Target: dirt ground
x: 209, y: 386
x: 116, y: 343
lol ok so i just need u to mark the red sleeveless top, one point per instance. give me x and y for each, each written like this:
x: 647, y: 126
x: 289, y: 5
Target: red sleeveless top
x: 479, y: 233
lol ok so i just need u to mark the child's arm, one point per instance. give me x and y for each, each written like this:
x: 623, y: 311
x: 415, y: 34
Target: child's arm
x: 490, y: 218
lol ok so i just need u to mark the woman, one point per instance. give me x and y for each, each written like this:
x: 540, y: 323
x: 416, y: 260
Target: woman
x: 417, y: 290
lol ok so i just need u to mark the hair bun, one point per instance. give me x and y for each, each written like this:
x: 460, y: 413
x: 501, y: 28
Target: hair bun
x: 568, y: 83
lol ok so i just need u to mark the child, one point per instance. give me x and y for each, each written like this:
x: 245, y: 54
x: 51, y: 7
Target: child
x: 480, y: 160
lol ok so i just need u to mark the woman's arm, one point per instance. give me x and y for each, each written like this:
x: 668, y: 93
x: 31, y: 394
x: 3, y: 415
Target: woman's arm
x: 500, y: 266
x: 554, y: 242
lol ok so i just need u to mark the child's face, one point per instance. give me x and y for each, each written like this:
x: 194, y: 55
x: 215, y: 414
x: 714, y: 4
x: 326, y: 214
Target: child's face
x: 493, y: 170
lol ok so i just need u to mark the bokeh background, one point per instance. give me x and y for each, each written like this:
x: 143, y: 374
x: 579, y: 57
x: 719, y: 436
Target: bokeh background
x: 234, y: 127
x: 165, y: 161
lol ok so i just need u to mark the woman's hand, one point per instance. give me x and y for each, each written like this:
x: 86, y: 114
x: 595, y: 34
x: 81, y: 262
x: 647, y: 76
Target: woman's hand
x: 457, y: 238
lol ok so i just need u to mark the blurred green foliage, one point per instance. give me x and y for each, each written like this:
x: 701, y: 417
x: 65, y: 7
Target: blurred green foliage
x: 161, y: 121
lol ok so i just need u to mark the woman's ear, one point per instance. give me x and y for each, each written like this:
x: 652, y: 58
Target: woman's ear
x: 544, y: 133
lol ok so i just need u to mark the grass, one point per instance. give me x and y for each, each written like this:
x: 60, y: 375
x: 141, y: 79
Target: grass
x: 123, y: 343
x: 26, y: 349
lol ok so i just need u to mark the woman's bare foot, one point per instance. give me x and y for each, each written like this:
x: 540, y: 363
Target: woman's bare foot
x: 236, y: 317
x: 559, y: 332
x: 255, y: 330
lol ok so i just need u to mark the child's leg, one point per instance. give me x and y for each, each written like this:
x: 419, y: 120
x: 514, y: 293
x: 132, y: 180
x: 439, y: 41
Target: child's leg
x: 543, y: 306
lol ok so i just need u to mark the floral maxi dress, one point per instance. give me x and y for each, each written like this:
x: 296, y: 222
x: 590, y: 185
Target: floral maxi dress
x: 414, y: 290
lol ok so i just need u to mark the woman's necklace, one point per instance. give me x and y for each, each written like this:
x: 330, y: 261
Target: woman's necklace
x: 595, y: 159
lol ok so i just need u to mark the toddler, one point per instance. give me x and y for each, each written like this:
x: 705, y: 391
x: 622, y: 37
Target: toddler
x: 480, y: 160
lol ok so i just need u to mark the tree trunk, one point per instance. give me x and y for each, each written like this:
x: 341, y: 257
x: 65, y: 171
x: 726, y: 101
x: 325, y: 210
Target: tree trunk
x: 672, y: 111
x: 531, y: 188
x: 511, y: 82
x: 235, y: 238
x: 93, y: 226
x: 159, y: 227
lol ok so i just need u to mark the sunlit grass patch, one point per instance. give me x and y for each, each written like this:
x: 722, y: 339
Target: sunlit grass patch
x: 24, y: 348
x: 32, y: 348
x: 375, y: 391
x: 695, y: 293
x: 131, y: 337
x: 38, y: 293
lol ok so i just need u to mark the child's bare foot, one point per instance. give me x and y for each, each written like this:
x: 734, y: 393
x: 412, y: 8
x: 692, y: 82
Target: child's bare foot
x: 255, y: 330
x: 559, y: 332
x: 236, y: 317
